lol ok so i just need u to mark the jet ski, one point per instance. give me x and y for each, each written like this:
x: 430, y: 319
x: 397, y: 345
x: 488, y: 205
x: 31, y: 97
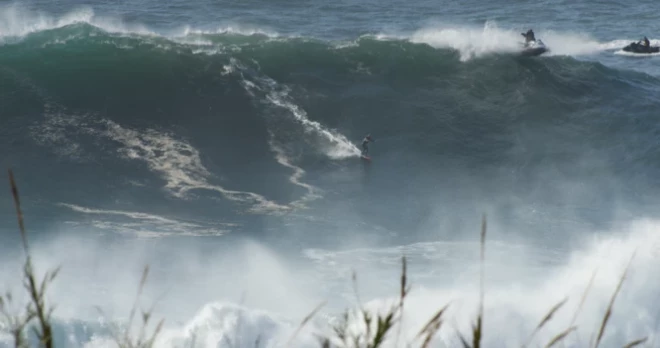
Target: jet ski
x: 638, y: 47
x: 534, y: 48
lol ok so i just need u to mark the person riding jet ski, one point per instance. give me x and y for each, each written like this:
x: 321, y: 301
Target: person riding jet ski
x: 529, y: 36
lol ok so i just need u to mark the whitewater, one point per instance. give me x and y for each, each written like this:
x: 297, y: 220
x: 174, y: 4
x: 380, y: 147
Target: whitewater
x: 219, y: 144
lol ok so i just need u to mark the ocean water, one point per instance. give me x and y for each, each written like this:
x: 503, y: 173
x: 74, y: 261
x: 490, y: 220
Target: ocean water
x: 218, y: 142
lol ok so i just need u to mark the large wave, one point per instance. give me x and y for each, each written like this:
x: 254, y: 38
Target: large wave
x: 128, y: 130
x: 296, y: 108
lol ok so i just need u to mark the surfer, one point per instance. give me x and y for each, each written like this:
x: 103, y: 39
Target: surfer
x: 365, y: 144
x: 646, y: 41
x: 529, y: 36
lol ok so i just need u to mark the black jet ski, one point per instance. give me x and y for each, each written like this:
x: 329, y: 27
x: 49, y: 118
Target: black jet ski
x: 638, y: 47
x: 534, y: 48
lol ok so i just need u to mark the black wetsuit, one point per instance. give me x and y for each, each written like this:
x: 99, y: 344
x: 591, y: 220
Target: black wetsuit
x: 365, y: 146
x: 529, y: 36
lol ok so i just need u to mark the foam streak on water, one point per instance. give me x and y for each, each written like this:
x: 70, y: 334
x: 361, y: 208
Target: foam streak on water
x: 179, y: 163
x: 296, y: 176
x: 149, y: 225
x: 336, y: 145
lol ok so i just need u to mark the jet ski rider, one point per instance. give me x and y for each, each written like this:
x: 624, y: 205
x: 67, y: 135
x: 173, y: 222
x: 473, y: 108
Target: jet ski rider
x: 529, y: 36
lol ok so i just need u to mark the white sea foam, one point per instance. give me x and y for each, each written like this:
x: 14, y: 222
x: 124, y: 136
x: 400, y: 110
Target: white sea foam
x: 522, y: 284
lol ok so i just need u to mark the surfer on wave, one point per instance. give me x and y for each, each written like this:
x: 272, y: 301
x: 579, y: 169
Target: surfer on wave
x: 365, y: 144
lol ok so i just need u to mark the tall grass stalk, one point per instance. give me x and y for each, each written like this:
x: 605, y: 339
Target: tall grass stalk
x: 37, y: 308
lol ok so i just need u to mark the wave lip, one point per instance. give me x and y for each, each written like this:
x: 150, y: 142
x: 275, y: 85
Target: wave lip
x: 470, y: 42
x: 15, y: 21
x: 474, y: 42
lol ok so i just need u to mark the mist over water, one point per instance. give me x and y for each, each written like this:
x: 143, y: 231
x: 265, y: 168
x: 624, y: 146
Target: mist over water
x: 224, y: 154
